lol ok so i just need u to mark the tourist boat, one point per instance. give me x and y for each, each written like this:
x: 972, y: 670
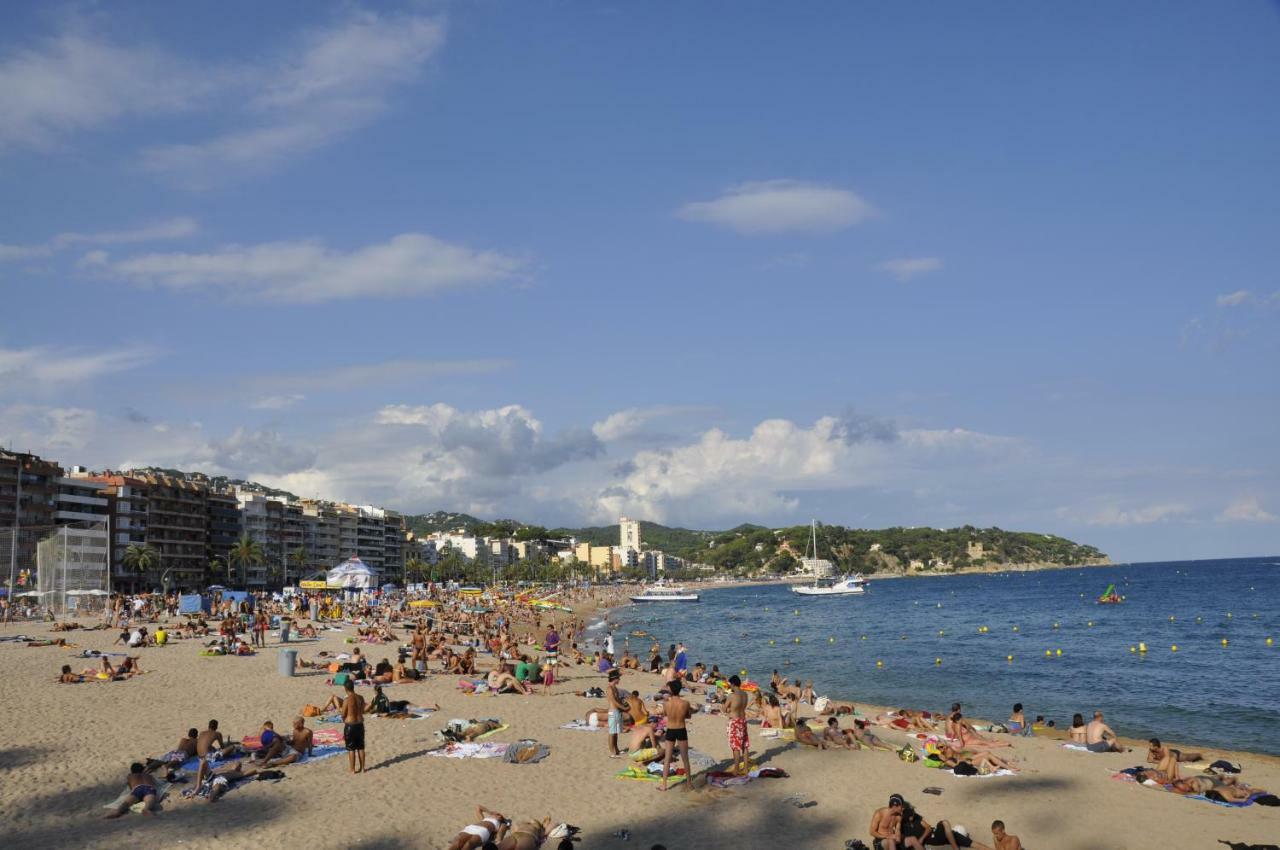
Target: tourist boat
x: 665, y: 593
x: 824, y: 584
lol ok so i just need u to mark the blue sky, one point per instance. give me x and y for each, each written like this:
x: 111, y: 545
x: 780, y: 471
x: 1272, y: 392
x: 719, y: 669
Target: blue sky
x: 879, y: 264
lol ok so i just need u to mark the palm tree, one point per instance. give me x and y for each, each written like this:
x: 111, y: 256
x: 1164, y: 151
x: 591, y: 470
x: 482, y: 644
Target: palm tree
x: 246, y: 553
x: 299, y: 558
x: 141, y: 558
x: 215, y: 567
x: 414, y: 566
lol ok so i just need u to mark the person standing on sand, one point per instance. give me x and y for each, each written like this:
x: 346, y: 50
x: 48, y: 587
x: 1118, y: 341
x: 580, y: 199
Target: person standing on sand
x: 735, y: 709
x: 353, y: 726
x: 551, y: 644
x: 677, y: 711
x: 617, y: 704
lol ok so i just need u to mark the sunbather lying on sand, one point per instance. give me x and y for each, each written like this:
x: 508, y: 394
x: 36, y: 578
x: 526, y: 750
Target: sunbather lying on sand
x: 69, y: 678
x: 805, y: 735
x: 382, y: 705
x: 985, y: 762
x: 142, y: 789
x: 1157, y: 751
x: 1227, y: 789
x: 220, y: 779
x: 527, y: 835
x: 472, y: 731
x: 490, y: 827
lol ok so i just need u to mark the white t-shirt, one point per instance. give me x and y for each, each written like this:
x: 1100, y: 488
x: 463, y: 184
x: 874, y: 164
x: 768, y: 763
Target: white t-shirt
x: 135, y: 638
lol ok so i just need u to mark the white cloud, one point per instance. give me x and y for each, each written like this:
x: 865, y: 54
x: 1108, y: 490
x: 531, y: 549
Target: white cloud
x: 719, y: 477
x: 25, y: 370
x: 77, y: 82
x: 1246, y: 509
x: 1235, y: 299
x: 906, y: 268
x: 408, y: 265
x: 338, y: 80
x: 173, y: 228
x: 781, y: 206
x: 263, y: 452
x: 277, y: 402
x: 1114, y: 515
x: 630, y: 422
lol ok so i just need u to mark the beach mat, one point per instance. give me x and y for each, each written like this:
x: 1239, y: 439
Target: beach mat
x: 470, y: 750
x: 640, y: 774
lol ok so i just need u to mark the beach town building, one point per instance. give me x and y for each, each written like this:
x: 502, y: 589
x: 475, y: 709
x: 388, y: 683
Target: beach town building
x: 629, y: 534
x: 28, y: 500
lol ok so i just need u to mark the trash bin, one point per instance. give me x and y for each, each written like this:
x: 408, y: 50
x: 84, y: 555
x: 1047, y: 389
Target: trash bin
x: 286, y: 660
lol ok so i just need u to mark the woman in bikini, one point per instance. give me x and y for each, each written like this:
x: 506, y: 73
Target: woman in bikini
x: 526, y: 836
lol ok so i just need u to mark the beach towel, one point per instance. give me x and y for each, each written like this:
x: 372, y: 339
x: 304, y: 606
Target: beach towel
x: 582, y: 726
x: 639, y: 774
x: 470, y: 750
x: 527, y: 751
x: 1001, y: 772
x: 326, y: 736
x: 1078, y: 747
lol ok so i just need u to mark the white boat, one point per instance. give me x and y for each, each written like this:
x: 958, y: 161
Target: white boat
x: 665, y: 593
x: 847, y: 586
x: 824, y: 583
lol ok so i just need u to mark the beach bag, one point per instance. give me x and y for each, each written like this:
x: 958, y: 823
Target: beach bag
x: 964, y: 769
x: 335, y: 667
x: 908, y: 754
x: 342, y: 678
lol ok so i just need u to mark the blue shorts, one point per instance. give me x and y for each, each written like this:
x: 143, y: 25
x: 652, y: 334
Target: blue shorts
x: 615, y: 722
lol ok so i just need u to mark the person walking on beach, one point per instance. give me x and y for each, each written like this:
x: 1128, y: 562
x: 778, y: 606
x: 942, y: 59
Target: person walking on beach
x: 677, y: 711
x: 617, y: 704
x: 353, y: 726
x: 735, y: 709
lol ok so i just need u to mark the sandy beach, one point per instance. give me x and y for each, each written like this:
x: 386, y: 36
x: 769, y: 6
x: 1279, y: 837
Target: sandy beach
x: 66, y: 750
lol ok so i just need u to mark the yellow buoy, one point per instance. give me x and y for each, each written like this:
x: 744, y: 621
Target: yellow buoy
x: 1048, y: 653
x: 1269, y: 641
x: 937, y: 661
x: 864, y: 637
x: 1133, y: 649
x: 941, y: 632
x: 831, y: 640
x: 742, y: 672
x: 1008, y: 658
x: 1171, y: 618
x: 1059, y: 653
x: 1015, y: 628
x: 1091, y: 624
x: 879, y: 663
x: 797, y: 640
x: 773, y: 643
x: 1174, y: 648
x: 1224, y: 641
x: 1142, y: 647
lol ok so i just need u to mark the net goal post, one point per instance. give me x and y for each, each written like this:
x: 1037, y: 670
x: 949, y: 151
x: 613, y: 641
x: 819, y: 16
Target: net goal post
x: 61, y: 571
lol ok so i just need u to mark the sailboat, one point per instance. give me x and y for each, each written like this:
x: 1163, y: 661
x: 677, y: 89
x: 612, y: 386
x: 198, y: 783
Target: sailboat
x: 824, y: 584
x: 1110, y: 597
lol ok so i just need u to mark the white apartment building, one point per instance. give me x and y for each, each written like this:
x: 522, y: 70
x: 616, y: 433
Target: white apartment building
x: 629, y: 534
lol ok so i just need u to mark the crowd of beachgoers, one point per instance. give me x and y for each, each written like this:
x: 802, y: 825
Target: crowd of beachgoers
x: 522, y: 643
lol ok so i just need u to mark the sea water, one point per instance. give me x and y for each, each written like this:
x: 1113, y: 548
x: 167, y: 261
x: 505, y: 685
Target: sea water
x: 1069, y: 654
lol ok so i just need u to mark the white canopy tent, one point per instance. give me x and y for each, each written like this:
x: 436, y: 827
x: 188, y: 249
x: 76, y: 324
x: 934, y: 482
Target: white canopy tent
x: 351, y: 574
